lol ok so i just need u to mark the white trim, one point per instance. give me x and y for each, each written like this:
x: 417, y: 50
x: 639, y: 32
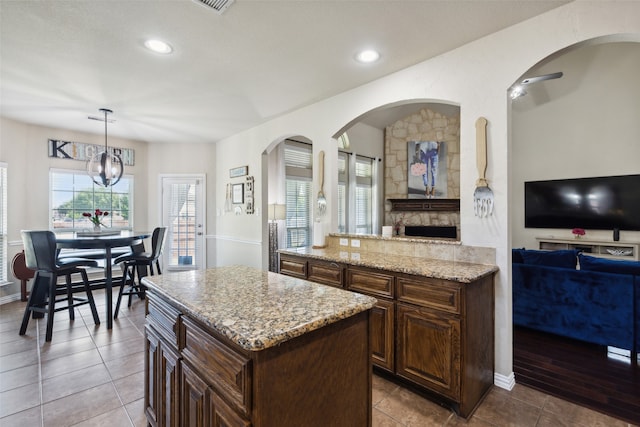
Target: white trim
x: 235, y: 239
x: 9, y: 298
x: 506, y: 382
x: 203, y: 208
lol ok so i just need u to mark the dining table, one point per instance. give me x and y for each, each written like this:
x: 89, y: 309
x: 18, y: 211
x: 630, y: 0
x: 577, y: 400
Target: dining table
x: 106, y: 241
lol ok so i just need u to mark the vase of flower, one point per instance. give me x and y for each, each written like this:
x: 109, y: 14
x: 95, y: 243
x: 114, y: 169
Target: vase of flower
x: 578, y: 232
x: 96, y: 218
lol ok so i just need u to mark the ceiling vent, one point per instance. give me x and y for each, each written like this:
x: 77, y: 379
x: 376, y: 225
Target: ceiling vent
x: 218, y: 5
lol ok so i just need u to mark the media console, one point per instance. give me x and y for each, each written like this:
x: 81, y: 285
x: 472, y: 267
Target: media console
x: 598, y: 248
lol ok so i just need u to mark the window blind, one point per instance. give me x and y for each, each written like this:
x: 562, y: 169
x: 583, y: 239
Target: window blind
x: 299, y: 174
x: 343, y: 185
x: 364, y: 195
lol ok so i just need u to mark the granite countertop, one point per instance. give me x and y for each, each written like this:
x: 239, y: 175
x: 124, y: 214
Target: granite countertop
x: 464, y: 272
x: 253, y: 308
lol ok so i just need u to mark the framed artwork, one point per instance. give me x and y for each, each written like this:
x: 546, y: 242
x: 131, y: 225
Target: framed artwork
x: 239, y: 171
x: 426, y: 170
x: 237, y: 194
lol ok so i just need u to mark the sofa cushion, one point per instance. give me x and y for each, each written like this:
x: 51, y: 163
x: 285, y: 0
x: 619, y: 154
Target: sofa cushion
x: 590, y: 263
x: 561, y: 258
x: 596, y: 307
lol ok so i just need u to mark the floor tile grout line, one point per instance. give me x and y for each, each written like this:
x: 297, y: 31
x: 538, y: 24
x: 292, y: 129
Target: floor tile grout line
x: 111, y: 380
x: 40, y: 390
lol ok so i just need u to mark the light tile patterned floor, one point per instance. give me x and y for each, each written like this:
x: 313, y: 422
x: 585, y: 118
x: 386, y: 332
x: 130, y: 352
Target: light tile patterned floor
x: 90, y: 376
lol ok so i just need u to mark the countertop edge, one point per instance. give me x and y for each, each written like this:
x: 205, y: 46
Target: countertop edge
x: 396, y: 267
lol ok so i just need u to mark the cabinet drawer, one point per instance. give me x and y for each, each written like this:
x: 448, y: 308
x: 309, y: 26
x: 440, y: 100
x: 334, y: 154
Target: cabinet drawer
x: 327, y: 273
x: 292, y: 266
x: 164, y: 318
x: 224, y: 369
x: 427, y: 292
x: 370, y: 282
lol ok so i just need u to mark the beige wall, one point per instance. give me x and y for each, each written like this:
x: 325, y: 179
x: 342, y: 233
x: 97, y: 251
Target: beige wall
x: 570, y: 130
x: 24, y: 148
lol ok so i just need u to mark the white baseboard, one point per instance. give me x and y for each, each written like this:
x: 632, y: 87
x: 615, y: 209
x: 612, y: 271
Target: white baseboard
x: 9, y: 298
x: 506, y: 382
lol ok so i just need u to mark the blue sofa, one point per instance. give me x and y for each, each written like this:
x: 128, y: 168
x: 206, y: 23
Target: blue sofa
x: 597, y: 303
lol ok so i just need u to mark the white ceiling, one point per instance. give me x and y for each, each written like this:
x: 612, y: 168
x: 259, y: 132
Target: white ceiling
x: 60, y: 61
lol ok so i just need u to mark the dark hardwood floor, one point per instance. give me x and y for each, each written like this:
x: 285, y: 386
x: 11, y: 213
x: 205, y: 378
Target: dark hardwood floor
x: 579, y: 372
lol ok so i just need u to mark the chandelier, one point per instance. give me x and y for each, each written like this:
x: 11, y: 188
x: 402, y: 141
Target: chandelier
x: 105, y: 168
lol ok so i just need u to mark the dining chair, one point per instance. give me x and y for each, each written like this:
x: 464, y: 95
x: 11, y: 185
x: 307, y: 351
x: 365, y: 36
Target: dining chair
x: 139, y: 262
x: 41, y: 255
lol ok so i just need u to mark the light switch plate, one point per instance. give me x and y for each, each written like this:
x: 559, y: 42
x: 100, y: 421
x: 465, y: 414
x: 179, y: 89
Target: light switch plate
x: 344, y: 242
x: 355, y: 243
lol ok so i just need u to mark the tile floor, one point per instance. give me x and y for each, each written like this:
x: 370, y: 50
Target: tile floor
x: 89, y: 376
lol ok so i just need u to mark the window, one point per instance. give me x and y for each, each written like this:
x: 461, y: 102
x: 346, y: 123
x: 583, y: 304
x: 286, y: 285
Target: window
x: 73, y: 193
x: 364, y: 195
x: 356, y: 191
x: 3, y: 223
x: 343, y: 185
x: 298, y: 181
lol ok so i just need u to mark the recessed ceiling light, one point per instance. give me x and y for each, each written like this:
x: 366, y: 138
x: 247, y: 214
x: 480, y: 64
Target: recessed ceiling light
x: 158, y: 46
x: 367, y: 56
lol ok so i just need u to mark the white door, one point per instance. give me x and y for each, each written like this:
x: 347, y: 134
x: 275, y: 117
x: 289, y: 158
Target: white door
x: 183, y: 202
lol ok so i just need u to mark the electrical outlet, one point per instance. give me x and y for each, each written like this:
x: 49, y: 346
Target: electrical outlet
x: 355, y: 255
x: 344, y: 242
x: 355, y: 243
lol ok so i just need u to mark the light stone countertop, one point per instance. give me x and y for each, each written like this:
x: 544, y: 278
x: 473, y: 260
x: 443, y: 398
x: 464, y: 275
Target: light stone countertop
x: 463, y: 272
x: 253, y: 308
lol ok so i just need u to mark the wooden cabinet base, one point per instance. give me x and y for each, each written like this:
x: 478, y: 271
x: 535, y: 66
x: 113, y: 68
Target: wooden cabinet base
x: 321, y: 378
x: 434, y: 335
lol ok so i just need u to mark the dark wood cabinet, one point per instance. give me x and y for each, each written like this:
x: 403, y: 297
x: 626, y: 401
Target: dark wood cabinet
x: 325, y: 272
x: 293, y: 266
x: 380, y: 285
x: 197, y: 377
x: 434, y: 333
x: 429, y: 349
x: 162, y: 365
x: 382, y: 334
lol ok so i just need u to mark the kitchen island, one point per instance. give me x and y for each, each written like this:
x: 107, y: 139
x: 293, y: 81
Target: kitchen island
x: 237, y: 346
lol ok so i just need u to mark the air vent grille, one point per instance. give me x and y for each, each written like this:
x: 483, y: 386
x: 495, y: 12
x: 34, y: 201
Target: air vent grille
x: 218, y: 5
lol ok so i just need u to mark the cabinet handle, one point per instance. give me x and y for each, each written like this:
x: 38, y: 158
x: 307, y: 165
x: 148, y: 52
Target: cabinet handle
x: 333, y: 264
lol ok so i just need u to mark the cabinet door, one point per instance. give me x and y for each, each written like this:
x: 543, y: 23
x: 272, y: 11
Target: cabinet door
x: 151, y: 369
x: 382, y: 324
x: 293, y: 266
x: 169, y: 386
x: 224, y: 416
x: 327, y: 273
x: 370, y: 282
x: 428, y: 349
x: 195, y: 398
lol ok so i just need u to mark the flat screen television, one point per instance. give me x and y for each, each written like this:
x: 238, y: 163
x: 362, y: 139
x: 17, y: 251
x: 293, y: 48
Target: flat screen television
x: 600, y: 203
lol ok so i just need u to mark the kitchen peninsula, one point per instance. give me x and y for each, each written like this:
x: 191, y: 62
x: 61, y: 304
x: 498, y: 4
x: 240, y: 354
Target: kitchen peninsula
x: 237, y: 346
x: 433, y: 323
